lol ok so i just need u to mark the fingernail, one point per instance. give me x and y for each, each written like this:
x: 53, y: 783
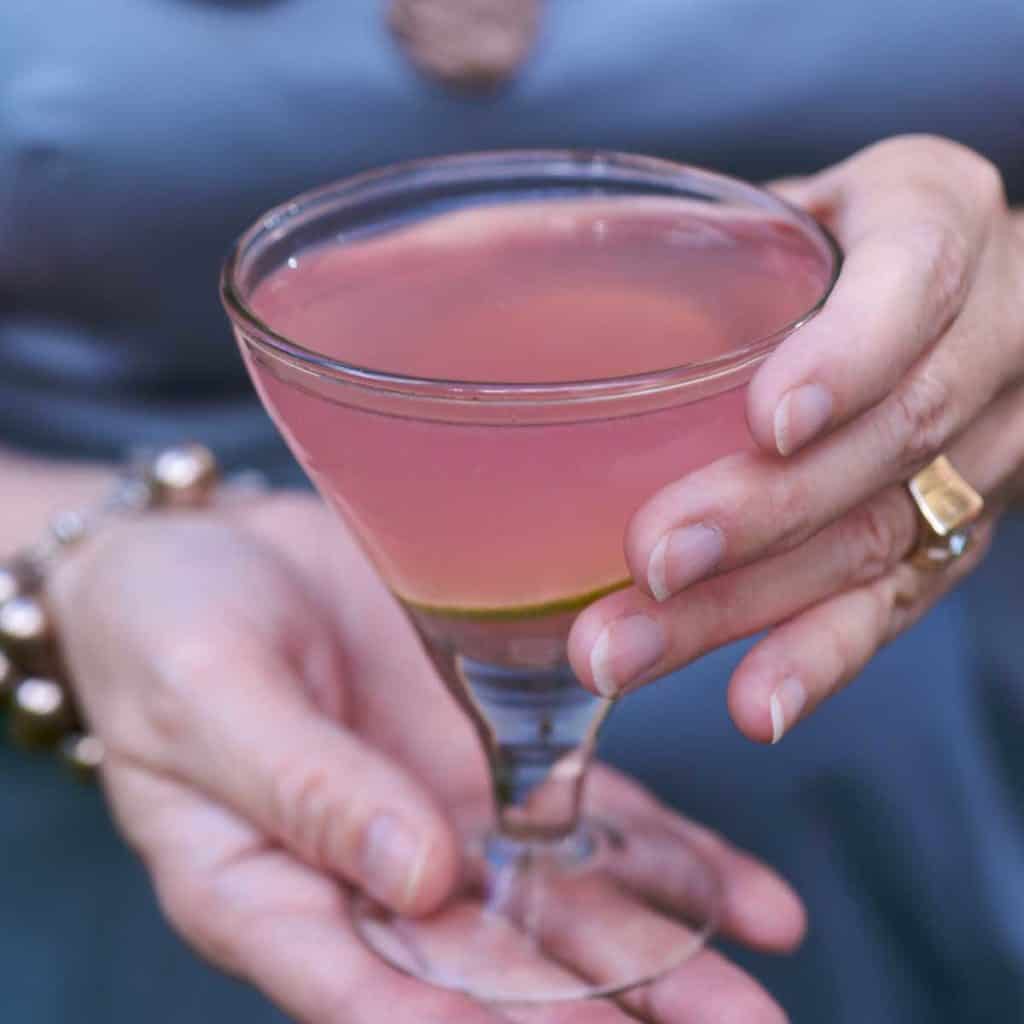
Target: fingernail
x: 785, y: 705
x: 682, y: 557
x: 392, y: 861
x: 800, y: 416
x: 624, y: 649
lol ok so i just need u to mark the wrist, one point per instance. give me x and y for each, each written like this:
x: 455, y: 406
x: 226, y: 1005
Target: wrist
x: 35, y: 489
x: 35, y: 684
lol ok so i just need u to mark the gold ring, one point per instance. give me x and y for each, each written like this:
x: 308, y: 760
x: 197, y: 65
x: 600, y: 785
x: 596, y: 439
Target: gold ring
x: 947, y: 505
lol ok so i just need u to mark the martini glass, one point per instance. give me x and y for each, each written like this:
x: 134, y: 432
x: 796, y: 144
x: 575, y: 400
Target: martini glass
x: 486, y: 363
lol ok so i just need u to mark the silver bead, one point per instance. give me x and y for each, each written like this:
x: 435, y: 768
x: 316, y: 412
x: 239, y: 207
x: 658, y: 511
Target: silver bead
x: 83, y: 754
x: 185, y: 475
x: 69, y: 527
x: 26, y: 634
x: 41, y: 713
x: 133, y: 494
x: 251, y: 482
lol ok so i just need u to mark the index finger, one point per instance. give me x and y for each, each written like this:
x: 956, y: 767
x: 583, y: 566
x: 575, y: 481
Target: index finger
x: 913, y: 216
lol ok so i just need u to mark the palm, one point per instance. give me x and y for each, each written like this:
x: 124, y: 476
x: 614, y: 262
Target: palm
x: 285, y: 597
x: 379, y: 682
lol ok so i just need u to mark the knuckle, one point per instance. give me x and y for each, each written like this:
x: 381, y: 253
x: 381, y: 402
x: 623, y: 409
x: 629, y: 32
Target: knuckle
x: 789, y: 508
x: 920, y: 419
x: 853, y: 639
x: 840, y: 653
x: 930, y: 149
x: 895, y: 148
x: 882, y: 602
x: 730, y: 598
x: 989, y: 189
x: 897, y: 603
x: 173, y: 694
x: 943, y: 253
x: 321, y: 824
x: 920, y: 141
x: 920, y: 151
x: 939, y: 164
x: 873, y: 536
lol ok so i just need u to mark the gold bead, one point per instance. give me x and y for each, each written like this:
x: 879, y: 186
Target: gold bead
x: 41, y: 713
x: 9, y: 679
x: 83, y: 754
x: 26, y: 634
x: 185, y: 475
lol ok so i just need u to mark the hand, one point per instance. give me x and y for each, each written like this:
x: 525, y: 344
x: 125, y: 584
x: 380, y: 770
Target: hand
x: 272, y: 728
x: 919, y: 350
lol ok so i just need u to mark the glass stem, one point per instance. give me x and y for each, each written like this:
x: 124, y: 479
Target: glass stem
x: 539, y: 727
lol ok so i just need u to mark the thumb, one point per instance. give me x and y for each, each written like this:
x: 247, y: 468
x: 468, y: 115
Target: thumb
x: 197, y: 677
x: 240, y: 726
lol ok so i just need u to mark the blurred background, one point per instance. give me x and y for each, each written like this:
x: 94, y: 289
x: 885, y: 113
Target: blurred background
x: 139, y: 137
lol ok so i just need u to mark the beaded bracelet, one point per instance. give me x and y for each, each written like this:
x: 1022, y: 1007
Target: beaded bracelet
x: 34, y: 691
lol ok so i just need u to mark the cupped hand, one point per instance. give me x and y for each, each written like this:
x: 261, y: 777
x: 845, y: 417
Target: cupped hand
x: 276, y: 737
x: 918, y: 351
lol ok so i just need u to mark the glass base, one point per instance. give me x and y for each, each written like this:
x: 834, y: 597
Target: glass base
x: 549, y: 920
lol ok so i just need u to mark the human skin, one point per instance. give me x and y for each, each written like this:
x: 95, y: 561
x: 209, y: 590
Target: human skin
x: 918, y: 351
x: 276, y: 737
x: 241, y: 664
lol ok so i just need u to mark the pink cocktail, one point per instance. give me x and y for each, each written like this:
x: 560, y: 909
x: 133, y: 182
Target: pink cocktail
x: 486, y: 364
x: 517, y: 513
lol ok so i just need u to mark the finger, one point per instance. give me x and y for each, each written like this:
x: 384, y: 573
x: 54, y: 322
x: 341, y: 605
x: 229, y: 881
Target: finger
x: 605, y: 645
x: 991, y: 454
x: 749, y: 505
x: 708, y: 990
x: 258, y: 913
x: 802, y: 663
x: 626, y: 638
x: 589, y: 935
x: 379, y: 646
x: 601, y: 933
x: 758, y: 907
x: 213, y: 693
x: 309, y: 782
x: 913, y: 246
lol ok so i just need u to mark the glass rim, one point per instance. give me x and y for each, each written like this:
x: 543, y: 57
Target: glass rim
x: 468, y: 167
